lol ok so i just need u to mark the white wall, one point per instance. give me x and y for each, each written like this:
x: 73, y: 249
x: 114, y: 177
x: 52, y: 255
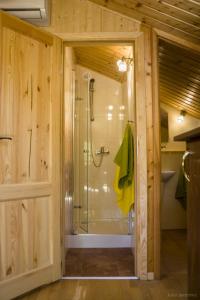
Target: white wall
x: 173, y: 216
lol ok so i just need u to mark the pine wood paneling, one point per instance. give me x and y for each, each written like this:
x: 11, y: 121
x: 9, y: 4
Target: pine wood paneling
x: 84, y: 16
x: 24, y: 235
x: 25, y: 115
x: 180, y: 18
x: 30, y: 176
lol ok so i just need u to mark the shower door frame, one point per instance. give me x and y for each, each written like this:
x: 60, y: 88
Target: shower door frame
x: 137, y: 40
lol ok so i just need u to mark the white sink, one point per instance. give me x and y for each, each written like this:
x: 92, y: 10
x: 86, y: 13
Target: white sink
x: 166, y: 175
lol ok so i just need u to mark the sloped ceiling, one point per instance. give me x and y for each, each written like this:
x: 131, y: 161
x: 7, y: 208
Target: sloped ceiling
x: 179, y: 17
x: 179, y: 76
x: 179, y: 71
x: 103, y: 59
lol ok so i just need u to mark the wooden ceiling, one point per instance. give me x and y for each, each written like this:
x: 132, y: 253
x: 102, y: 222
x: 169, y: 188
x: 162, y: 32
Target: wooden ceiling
x: 179, y: 71
x: 103, y: 59
x: 179, y: 75
x: 179, y: 17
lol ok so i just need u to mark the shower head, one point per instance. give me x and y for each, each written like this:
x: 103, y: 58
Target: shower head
x: 86, y: 76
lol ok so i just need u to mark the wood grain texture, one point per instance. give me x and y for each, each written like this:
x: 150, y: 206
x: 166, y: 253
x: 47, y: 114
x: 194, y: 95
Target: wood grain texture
x: 25, y: 28
x: 25, y: 113
x: 83, y: 16
x: 30, y: 176
x: 162, y: 15
x: 155, y: 216
x: 150, y: 146
x: 24, y: 191
x: 141, y: 159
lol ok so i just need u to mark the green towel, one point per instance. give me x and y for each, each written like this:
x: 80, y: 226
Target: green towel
x: 181, y: 191
x: 125, y: 159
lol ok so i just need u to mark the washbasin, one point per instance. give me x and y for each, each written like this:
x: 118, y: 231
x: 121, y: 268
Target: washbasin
x: 166, y: 175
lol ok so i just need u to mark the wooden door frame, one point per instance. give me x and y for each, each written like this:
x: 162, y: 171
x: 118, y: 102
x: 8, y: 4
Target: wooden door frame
x: 156, y: 215
x: 137, y: 40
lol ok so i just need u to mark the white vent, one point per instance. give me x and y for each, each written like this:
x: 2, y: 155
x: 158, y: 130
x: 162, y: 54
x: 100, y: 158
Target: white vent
x: 33, y: 11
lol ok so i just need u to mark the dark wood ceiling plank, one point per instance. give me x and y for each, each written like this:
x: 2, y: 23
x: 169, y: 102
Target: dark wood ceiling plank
x: 177, y: 91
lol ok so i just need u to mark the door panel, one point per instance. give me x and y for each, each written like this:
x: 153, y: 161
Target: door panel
x: 25, y: 115
x: 30, y: 169
x: 25, y: 234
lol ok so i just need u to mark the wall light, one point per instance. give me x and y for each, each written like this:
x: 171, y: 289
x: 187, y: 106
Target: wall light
x: 181, y: 117
x: 123, y: 63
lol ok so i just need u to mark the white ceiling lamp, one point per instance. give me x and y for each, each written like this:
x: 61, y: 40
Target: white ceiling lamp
x: 124, y: 63
x: 181, y: 117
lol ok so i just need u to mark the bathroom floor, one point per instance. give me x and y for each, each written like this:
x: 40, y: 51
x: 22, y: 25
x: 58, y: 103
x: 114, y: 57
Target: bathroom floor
x: 99, y: 262
x: 173, y: 283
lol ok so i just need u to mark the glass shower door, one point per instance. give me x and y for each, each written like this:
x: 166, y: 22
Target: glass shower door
x: 81, y: 153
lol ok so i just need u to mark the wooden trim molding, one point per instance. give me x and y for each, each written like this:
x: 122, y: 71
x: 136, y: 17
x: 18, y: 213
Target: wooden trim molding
x: 18, y: 25
x: 155, y: 216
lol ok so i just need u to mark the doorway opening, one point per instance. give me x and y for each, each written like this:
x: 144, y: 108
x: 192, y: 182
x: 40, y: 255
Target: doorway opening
x: 179, y: 91
x: 99, y: 103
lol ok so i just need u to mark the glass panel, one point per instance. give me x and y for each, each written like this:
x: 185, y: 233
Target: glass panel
x: 81, y: 156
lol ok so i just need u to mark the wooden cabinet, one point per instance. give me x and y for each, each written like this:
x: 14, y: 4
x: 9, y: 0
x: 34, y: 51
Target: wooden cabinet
x: 192, y: 169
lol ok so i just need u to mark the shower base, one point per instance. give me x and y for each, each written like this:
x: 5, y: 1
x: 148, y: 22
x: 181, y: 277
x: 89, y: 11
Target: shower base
x: 99, y: 241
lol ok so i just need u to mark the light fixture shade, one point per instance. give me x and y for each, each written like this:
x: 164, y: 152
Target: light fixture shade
x: 122, y: 66
x: 181, y: 117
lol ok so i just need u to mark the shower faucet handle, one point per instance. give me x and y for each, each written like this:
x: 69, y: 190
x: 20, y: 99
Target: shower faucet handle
x: 77, y: 206
x: 102, y: 150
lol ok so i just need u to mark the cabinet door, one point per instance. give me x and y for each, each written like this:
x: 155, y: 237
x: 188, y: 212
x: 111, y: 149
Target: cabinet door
x: 193, y: 211
x: 30, y: 102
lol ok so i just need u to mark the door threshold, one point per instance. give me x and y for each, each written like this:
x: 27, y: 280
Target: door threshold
x: 100, y: 278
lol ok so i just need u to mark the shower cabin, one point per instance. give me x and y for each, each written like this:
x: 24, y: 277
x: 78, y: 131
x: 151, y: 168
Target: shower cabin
x: 99, y: 106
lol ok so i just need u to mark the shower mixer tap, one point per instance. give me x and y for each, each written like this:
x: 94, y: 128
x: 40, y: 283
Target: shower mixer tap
x: 102, y: 150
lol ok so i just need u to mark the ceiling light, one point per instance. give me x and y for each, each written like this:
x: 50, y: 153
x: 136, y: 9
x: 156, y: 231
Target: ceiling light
x: 123, y: 63
x: 180, y: 118
x: 122, y: 66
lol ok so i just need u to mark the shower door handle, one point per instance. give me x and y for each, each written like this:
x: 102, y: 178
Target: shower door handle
x: 185, y: 155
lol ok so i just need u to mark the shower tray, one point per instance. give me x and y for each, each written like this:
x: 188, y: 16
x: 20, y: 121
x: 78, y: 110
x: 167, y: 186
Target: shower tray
x: 99, y: 241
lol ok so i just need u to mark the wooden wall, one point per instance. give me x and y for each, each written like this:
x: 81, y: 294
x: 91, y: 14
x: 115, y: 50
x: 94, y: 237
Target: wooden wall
x: 84, y: 16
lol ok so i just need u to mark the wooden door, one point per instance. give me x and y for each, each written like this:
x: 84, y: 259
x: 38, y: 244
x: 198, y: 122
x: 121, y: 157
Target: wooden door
x: 30, y: 191
x: 193, y: 211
